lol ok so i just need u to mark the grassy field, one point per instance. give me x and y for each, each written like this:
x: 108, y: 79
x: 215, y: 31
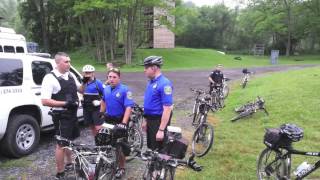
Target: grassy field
x: 291, y: 97
x: 188, y: 58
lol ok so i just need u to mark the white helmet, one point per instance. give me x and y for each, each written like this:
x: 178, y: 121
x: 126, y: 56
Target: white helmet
x: 88, y: 68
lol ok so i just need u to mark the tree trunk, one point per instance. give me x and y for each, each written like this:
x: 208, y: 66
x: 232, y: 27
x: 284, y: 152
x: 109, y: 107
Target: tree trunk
x: 289, y: 26
x: 43, y: 16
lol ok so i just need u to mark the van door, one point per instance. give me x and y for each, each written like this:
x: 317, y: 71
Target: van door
x: 39, y: 70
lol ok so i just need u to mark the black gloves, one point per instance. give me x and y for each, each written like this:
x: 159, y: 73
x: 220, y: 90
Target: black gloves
x: 71, y: 105
x: 85, y: 79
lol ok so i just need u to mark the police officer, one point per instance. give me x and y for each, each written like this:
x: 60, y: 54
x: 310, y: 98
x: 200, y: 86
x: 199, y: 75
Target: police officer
x: 92, y: 89
x: 116, y: 107
x: 158, y: 103
x: 59, y: 91
x: 216, y: 78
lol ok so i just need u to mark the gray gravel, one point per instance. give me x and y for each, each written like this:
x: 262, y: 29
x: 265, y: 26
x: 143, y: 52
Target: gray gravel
x: 41, y: 165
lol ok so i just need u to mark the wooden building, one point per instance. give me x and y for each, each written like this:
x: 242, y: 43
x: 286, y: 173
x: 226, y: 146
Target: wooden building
x: 158, y: 34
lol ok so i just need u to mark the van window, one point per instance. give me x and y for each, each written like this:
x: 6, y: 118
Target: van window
x: 19, y: 49
x: 9, y: 49
x: 1, y: 50
x: 11, y: 72
x: 39, y: 70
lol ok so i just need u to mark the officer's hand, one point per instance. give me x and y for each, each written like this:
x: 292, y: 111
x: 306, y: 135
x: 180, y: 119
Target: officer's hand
x: 71, y: 105
x: 96, y: 102
x: 159, y: 136
x: 121, y: 126
x: 85, y: 79
x: 144, y: 125
x: 101, y: 115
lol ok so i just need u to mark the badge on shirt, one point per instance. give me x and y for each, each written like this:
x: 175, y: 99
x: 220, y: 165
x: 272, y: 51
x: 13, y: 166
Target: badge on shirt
x: 129, y: 95
x: 118, y: 95
x: 154, y: 86
x: 168, y: 90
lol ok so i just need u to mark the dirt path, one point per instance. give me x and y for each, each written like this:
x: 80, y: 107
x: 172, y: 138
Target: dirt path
x: 41, y: 163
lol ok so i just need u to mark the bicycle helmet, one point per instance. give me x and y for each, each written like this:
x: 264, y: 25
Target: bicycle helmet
x: 292, y: 131
x: 88, y: 68
x: 104, y: 137
x: 153, y: 60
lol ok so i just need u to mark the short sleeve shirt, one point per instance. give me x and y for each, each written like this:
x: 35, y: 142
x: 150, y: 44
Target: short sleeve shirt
x: 117, y: 99
x: 94, y: 87
x: 158, y: 93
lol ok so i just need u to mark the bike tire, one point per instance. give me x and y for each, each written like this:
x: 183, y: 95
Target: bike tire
x: 78, y: 171
x: 201, y: 144
x: 195, y: 112
x: 278, y: 170
x: 105, y: 171
x: 169, y: 173
x: 241, y: 115
x: 225, y: 91
x: 244, y: 84
x: 135, y: 139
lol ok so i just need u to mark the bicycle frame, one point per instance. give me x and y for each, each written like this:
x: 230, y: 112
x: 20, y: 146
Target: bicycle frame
x: 291, y: 151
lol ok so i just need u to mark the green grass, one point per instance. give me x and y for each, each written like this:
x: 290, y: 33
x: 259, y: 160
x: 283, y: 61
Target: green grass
x: 291, y: 97
x: 188, y: 58
x: 22, y: 162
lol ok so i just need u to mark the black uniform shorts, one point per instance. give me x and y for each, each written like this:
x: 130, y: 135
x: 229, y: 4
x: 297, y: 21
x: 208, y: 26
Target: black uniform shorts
x: 66, y: 123
x: 91, y: 117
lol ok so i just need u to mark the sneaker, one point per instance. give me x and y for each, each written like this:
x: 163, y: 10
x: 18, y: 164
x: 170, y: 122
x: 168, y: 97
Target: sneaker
x: 68, y: 167
x: 120, y: 173
x: 59, y: 176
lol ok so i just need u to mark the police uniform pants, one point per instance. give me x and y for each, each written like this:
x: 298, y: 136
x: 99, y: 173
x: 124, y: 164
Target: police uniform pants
x: 66, y: 124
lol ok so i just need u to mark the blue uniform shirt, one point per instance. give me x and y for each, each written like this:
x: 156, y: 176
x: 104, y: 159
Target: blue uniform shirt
x: 94, y: 87
x: 117, y: 100
x: 158, y: 94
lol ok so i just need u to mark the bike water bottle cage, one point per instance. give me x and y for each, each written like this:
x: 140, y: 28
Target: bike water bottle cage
x: 292, y: 131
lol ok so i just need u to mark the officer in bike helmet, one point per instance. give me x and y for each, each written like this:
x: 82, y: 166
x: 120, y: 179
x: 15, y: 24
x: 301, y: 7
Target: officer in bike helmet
x: 92, y: 90
x: 158, y: 101
x: 216, y: 78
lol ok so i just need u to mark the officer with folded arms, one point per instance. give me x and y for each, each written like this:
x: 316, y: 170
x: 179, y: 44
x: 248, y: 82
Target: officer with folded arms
x: 59, y: 91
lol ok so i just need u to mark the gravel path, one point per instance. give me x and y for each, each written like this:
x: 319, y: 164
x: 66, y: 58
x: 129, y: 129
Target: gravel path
x: 41, y: 164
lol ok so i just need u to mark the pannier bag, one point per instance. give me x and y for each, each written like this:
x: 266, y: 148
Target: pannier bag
x: 176, y: 146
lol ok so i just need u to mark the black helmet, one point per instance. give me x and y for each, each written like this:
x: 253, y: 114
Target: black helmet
x: 153, y: 60
x: 104, y: 137
x: 292, y: 131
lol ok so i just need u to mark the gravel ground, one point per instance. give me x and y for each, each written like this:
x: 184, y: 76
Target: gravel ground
x: 41, y: 165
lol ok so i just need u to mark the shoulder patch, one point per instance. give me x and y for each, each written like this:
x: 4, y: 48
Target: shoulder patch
x: 167, y: 90
x: 129, y: 95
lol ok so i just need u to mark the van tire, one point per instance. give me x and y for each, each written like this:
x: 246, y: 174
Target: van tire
x: 22, y: 136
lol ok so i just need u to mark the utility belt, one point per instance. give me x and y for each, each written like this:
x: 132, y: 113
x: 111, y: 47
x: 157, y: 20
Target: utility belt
x: 59, y: 114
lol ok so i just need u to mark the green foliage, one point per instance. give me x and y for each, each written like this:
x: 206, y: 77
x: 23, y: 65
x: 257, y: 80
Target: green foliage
x: 291, y: 97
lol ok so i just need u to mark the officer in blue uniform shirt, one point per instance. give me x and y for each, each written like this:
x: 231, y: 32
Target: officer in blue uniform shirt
x: 116, y: 107
x: 92, y: 90
x: 158, y: 103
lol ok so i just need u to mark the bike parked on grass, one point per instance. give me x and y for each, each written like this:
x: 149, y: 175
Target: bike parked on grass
x: 196, y: 104
x: 275, y: 160
x: 250, y: 108
x: 245, y: 78
x: 202, y: 139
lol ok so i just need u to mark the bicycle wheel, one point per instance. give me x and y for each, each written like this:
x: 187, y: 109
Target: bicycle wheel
x: 195, y: 112
x: 244, y: 83
x: 241, y: 115
x: 135, y: 140
x: 202, y: 139
x: 78, y: 171
x: 225, y: 91
x: 104, y: 170
x: 268, y: 168
x: 169, y: 173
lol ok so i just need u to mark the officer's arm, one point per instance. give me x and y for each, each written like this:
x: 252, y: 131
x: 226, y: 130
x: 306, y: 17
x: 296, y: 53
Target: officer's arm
x: 102, y: 106
x: 210, y: 79
x: 81, y: 88
x: 52, y: 103
x: 126, y: 115
x: 165, y: 117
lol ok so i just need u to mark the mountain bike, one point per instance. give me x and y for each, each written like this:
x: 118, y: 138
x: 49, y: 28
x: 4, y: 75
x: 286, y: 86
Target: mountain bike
x: 135, y: 136
x: 217, y: 97
x: 274, y: 162
x: 225, y: 89
x: 196, y: 104
x: 202, y: 139
x: 91, y: 162
x: 250, y: 108
x: 162, y: 167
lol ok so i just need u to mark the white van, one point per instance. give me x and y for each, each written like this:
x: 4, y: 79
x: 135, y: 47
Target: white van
x: 11, y: 42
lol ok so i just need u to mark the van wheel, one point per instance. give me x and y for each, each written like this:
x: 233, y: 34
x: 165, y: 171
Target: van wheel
x: 22, y: 136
